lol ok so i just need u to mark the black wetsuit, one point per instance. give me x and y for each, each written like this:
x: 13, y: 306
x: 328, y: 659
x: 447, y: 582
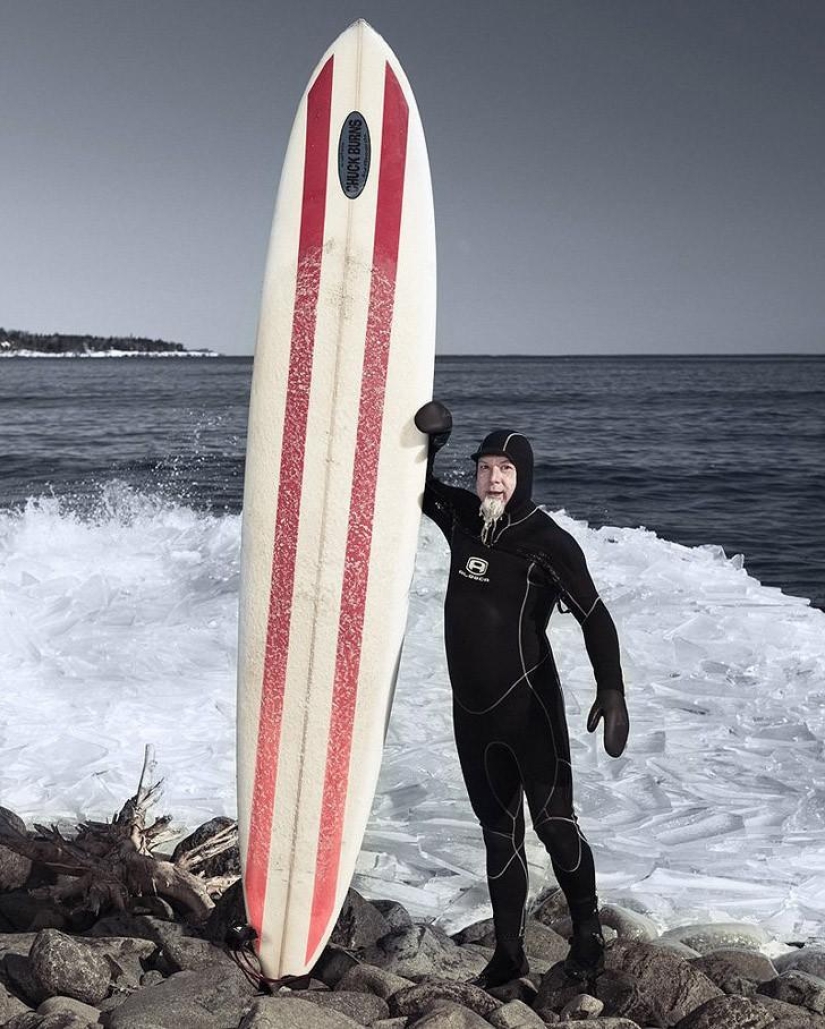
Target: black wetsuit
x: 508, y: 708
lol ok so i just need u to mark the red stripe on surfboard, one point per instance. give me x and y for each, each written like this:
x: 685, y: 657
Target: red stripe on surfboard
x: 362, y: 504
x: 310, y: 244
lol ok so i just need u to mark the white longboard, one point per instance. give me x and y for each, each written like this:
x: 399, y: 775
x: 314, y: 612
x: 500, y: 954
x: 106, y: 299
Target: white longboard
x: 334, y: 476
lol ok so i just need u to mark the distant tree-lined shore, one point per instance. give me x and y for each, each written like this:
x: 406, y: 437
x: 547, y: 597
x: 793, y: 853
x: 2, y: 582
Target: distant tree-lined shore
x: 14, y: 341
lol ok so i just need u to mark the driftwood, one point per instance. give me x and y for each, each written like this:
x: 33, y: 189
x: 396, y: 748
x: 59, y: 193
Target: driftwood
x: 109, y: 864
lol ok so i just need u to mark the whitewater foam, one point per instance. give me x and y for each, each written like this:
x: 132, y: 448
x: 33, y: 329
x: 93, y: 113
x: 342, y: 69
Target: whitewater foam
x: 118, y: 629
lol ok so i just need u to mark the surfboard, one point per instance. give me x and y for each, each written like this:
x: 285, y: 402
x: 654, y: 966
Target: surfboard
x: 332, y: 492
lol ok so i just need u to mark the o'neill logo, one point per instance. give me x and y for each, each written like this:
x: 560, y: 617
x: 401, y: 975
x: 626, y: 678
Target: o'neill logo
x: 476, y: 568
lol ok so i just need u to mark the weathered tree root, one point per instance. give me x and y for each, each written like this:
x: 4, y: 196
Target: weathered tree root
x: 111, y: 863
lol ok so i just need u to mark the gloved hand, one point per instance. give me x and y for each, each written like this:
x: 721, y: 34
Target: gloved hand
x: 435, y: 421
x: 610, y: 705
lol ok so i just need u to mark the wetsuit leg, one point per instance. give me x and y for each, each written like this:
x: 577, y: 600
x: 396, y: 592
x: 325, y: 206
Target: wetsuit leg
x: 493, y: 782
x: 548, y: 784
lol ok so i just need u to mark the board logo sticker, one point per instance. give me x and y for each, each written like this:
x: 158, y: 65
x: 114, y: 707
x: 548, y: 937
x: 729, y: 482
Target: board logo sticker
x: 476, y: 566
x: 354, y: 155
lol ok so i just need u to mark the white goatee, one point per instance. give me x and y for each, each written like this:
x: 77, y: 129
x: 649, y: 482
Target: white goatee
x: 492, y: 508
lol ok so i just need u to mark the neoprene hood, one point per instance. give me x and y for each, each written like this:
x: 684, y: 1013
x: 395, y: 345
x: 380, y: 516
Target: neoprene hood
x: 505, y: 443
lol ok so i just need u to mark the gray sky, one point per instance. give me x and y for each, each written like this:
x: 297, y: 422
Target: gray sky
x: 610, y: 176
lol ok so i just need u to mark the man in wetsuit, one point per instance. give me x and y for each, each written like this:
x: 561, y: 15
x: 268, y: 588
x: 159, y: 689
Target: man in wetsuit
x: 510, y: 565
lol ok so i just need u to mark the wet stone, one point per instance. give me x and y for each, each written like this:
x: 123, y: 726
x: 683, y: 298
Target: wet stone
x: 799, y: 988
x: 364, y: 1008
x: 515, y: 1014
x: 287, y: 1012
x: 749, y: 964
x: 416, y: 999
x: 806, y: 959
x: 360, y: 924
x: 724, y: 974
x: 730, y: 1012
x: 715, y: 935
x: 670, y: 983
x: 445, y: 1014
x: 369, y: 979
x: 69, y: 967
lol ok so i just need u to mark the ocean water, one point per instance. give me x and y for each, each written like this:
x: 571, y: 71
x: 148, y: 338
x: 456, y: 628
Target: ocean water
x: 704, y: 451
x: 694, y: 487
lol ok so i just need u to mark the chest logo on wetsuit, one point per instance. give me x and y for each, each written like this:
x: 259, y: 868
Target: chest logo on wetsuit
x: 475, y: 569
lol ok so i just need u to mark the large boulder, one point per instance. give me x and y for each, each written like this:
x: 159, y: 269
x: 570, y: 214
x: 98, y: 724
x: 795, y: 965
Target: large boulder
x: 415, y: 1000
x: 799, y: 988
x: 730, y: 1012
x: 186, y: 1000
x: 446, y: 1014
x: 804, y: 959
x: 364, y: 1008
x: 364, y: 978
x: 422, y: 950
x: 69, y: 967
x: 670, y: 983
x: 288, y: 1012
x: 715, y: 935
x: 360, y: 924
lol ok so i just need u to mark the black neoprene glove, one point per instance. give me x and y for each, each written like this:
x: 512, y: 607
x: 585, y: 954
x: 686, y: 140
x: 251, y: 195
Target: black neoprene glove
x: 435, y: 421
x: 610, y: 705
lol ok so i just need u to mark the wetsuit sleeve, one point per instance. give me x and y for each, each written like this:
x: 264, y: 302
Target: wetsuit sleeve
x: 440, y: 500
x: 568, y: 568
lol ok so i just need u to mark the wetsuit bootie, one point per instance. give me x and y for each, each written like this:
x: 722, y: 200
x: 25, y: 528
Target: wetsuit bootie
x: 586, y: 957
x: 507, y: 963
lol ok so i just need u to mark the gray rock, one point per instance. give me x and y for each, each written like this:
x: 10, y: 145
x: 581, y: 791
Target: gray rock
x: 16, y: 943
x: 287, y: 1012
x: 603, y: 1023
x: 519, y: 989
x: 62, y: 1005
x: 333, y: 965
x: 127, y: 958
x: 674, y: 947
x: 369, y: 979
x: 416, y: 999
x: 622, y: 997
x: 581, y: 1007
x: 725, y: 975
x: 799, y: 988
x: 730, y: 1012
x: 515, y: 1014
x: 672, y: 984
x: 542, y: 944
x: 10, y: 1006
x: 788, y: 1016
x: 226, y: 863
x: 477, y: 932
x: 24, y: 1020
x: 749, y: 964
x: 395, y: 915
x: 422, y: 950
x: 550, y: 906
x: 48, y: 918
x: 21, y: 976
x: 152, y: 977
x: 629, y: 925
x: 186, y: 1000
x: 69, y: 967
x: 360, y: 924
x: 445, y: 1014
x: 19, y: 909
x: 364, y: 1008
x: 805, y: 959
x: 57, y: 1020
x: 14, y: 868
x: 229, y: 911
x: 190, y: 954
x: 391, y: 1023
x: 713, y: 936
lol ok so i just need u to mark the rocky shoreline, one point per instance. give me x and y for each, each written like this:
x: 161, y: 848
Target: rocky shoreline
x: 15, y: 343
x: 152, y: 967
